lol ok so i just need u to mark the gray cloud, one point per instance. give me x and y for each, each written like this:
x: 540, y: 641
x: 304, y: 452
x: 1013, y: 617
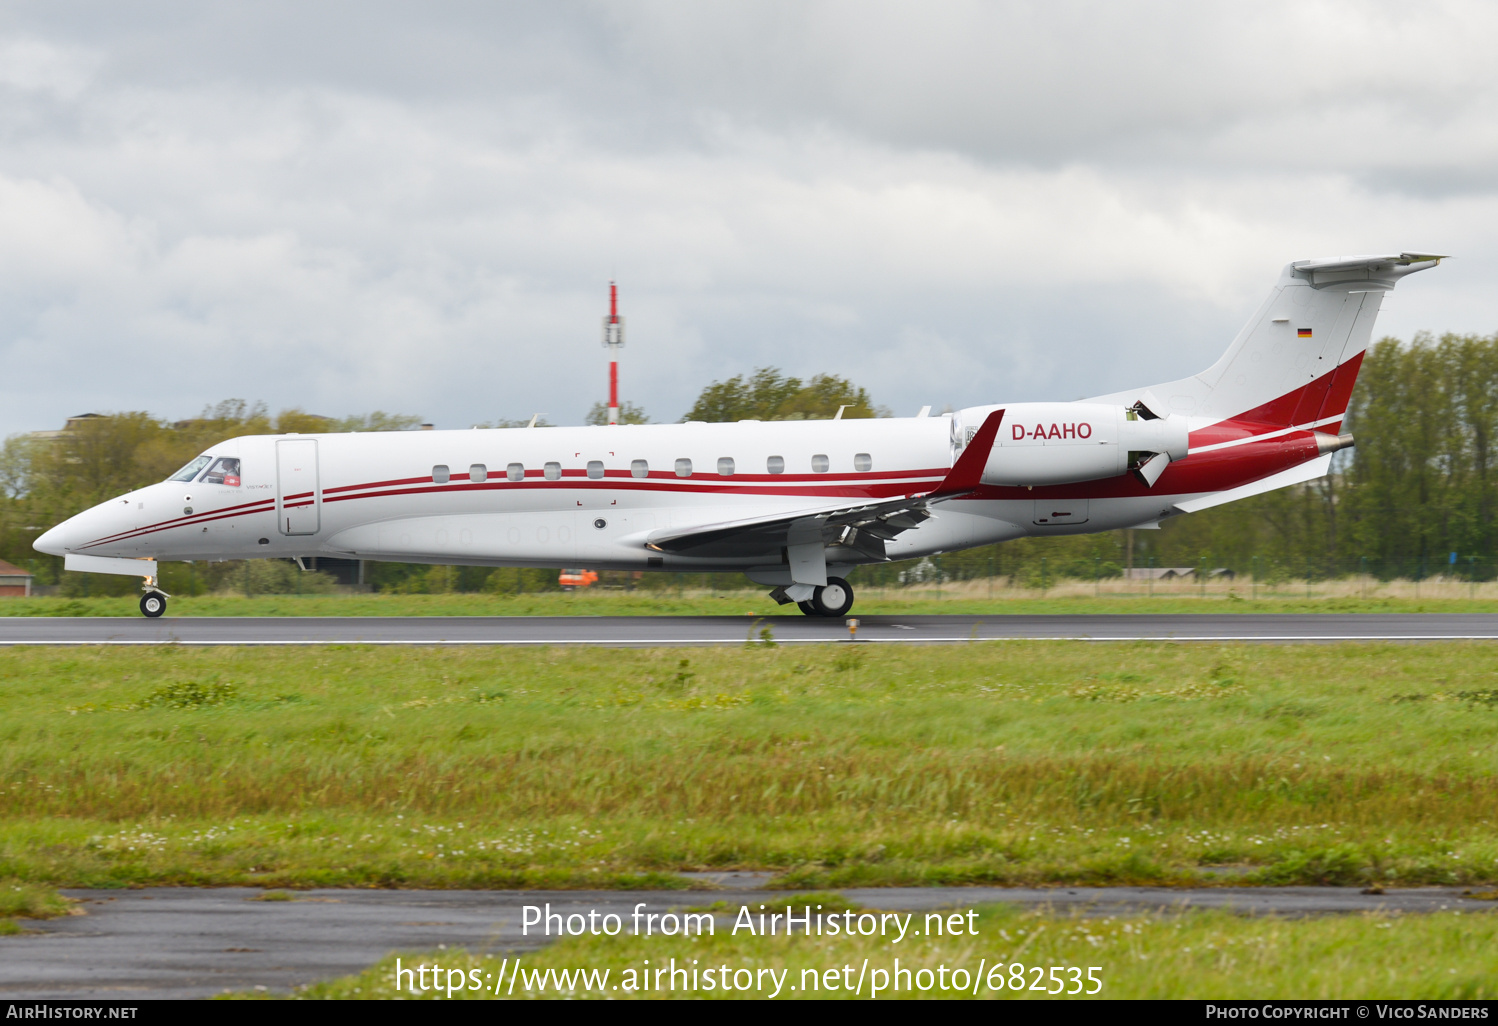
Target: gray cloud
x: 417, y: 207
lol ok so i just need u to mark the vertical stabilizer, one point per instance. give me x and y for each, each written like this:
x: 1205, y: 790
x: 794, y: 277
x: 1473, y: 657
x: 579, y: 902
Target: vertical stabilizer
x: 1295, y: 362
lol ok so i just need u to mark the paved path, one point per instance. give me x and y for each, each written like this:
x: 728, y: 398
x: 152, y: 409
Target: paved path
x: 188, y: 943
x: 732, y: 630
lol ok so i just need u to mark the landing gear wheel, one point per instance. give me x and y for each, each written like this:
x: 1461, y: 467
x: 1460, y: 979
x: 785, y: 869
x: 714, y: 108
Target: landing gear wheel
x: 153, y: 604
x: 835, y: 599
x: 807, y: 608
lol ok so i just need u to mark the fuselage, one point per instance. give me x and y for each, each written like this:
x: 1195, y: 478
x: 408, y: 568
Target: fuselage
x: 593, y: 496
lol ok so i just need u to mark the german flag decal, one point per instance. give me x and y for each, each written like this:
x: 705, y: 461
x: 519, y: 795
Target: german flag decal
x: 1302, y: 332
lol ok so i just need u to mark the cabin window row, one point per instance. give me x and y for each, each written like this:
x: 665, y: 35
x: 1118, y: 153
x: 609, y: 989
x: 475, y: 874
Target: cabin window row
x: 552, y: 471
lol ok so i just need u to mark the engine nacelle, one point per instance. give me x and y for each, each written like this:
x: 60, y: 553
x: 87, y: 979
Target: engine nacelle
x: 1064, y: 443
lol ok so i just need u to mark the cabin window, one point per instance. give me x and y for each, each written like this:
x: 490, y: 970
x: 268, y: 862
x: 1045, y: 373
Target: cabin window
x: 552, y: 471
x: 639, y: 468
x: 225, y: 471
x: 595, y: 469
x: 515, y: 472
x: 441, y: 474
x: 820, y: 463
x: 190, y: 471
x: 725, y: 466
x: 863, y: 462
x: 683, y: 468
x: 478, y: 472
x: 775, y: 464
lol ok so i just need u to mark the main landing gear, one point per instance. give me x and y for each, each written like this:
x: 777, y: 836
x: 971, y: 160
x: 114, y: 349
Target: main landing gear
x: 835, y: 599
x: 153, y: 602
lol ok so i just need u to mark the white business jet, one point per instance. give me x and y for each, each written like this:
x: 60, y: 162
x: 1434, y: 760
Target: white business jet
x: 795, y: 505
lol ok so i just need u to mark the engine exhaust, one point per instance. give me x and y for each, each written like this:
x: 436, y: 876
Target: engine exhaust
x: 1332, y: 443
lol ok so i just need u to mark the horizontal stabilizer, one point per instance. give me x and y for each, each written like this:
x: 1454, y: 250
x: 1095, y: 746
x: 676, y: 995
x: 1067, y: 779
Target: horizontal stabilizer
x: 1376, y: 270
x: 1310, y: 471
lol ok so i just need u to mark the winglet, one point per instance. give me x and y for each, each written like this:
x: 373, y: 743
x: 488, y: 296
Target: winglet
x: 967, y: 473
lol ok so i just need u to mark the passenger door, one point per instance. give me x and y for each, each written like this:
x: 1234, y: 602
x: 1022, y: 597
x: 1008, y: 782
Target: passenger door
x: 298, y: 501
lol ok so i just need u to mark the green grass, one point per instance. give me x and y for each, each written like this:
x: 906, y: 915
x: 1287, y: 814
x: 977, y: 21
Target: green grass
x: 870, y: 602
x: 1197, y: 955
x: 1019, y: 762
x: 22, y: 900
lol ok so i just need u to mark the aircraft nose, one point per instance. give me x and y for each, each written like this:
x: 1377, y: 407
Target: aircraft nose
x: 60, y: 539
x: 53, y: 542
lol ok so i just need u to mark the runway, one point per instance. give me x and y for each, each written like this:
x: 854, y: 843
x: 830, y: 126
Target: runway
x: 622, y: 631
x: 179, y: 942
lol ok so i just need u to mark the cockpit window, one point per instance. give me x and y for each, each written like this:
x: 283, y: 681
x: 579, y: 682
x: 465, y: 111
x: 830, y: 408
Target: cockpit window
x: 190, y: 471
x: 225, y: 471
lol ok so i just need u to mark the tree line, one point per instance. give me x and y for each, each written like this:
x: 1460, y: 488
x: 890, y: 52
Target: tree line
x: 1419, y: 488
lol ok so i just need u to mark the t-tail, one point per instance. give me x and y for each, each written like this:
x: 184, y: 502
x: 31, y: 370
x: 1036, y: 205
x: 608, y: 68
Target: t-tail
x: 1294, y: 364
x: 1268, y: 414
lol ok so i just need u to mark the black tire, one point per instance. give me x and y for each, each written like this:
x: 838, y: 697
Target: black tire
x: 835, y: 599
x: 807, y: 608
x: 153, y: 604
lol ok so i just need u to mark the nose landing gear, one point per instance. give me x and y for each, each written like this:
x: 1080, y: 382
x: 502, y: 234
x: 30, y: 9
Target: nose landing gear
x: 153, y: 602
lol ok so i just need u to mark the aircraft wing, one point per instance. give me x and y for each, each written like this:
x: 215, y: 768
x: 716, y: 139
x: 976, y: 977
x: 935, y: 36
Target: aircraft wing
x: 864, y: 526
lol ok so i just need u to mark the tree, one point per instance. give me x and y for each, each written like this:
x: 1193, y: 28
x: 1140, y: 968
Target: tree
x: 629, y: 413
x: 379, y: 420
x: 769, y: 395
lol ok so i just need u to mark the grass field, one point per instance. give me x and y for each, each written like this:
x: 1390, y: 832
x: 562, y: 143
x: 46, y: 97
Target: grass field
x: 21, y: 900
x: 965, y: 598
x: 990, y: 762
x: 1197, y: 955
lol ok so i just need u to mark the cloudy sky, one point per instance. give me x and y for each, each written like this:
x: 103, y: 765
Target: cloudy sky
x: 417, y: 207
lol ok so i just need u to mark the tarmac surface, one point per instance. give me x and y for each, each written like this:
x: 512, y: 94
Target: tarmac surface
x: 197, y: 942
x: 734, y: 630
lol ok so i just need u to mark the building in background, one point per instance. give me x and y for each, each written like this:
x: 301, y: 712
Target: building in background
x: 72, y: 424
x: 14, y: 582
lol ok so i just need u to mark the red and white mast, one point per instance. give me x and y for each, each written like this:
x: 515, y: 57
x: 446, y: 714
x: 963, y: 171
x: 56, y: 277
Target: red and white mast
x: 613, y: 341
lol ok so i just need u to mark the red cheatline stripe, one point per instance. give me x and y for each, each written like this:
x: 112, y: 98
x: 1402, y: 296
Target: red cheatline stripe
x: 498, y: 470
x: 497, y: 477
x: 381, y: 484
x: 186, y: 520
x: 164, y: 527
x: 869, y: 491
